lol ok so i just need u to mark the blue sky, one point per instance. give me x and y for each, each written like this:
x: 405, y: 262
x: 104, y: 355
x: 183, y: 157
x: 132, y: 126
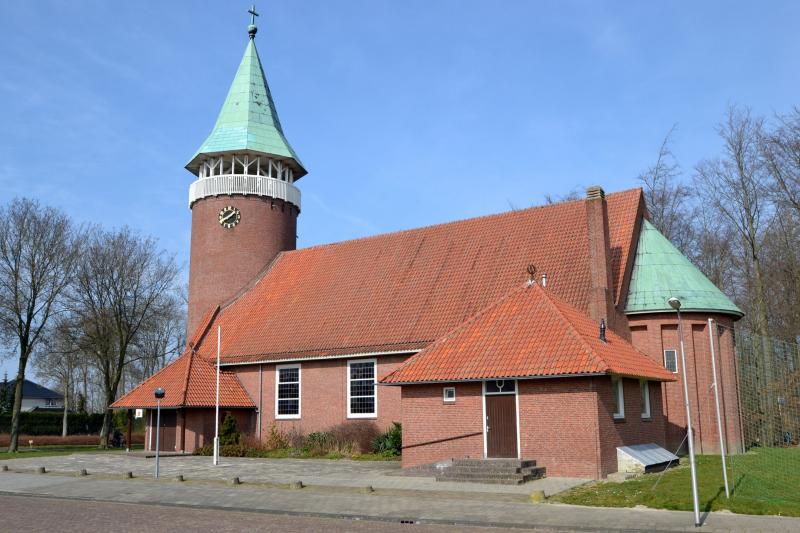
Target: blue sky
x: 404, y: 113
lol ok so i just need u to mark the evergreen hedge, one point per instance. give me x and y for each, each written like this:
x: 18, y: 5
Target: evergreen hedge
x: 43, y: 423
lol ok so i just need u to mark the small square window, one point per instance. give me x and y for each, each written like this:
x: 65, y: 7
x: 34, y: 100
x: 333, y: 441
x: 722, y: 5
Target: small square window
x: 671, y: 361
x: 449, y: 394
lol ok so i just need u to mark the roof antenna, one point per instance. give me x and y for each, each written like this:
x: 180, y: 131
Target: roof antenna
x: 531, y: 275
x: 603, y: 329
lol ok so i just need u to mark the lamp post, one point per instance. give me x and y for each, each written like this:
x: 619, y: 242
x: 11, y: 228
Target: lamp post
x: 675, y: 303
x: 159, y: 394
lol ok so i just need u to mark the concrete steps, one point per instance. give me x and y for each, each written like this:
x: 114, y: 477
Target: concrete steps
x: 497, y: 471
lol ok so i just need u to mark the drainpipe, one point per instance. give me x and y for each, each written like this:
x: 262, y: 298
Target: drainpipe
x: 260, y: 397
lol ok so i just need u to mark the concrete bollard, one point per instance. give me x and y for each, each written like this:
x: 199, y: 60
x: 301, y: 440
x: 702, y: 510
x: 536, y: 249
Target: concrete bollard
x: 41, y: 470
x: 128, y: 475
x: 236, y: 481
x: 367, y: 490
x: 295, y: 485
x: 537, y: 496
x: 179, y: 477
x: 83, y: 472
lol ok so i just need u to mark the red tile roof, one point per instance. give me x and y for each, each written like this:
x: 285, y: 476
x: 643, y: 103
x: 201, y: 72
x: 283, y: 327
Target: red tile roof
x: 529, y: 333
x: 189, y: 381
x: 401, y: 291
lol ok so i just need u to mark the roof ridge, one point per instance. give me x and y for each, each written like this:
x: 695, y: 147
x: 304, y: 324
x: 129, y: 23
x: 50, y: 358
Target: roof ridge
x: 459, y: 221
x: 153, y: 376
x: 188, y: 373
x: 571, y: 327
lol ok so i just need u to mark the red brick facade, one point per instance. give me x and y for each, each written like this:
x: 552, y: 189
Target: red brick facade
x: 655, y: 333
x: 323, y: 395
x: 223, y: 261
x: 565, y: 424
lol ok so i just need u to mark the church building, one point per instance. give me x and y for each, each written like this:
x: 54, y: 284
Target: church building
x: 536, y: 334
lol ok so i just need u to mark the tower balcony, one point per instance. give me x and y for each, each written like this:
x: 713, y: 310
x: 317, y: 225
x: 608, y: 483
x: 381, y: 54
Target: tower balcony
x: 246, y: 185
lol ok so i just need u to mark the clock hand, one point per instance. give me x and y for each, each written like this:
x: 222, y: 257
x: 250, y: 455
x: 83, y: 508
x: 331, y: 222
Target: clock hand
x: 229, y: 215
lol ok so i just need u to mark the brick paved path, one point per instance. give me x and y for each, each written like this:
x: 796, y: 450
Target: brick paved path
x: 341, y: 473
x: 25, y: 513
x: 462, y: 509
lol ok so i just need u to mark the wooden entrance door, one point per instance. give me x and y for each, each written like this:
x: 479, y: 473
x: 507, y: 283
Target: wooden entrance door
x: 501, y: 425
x: 166, y: 438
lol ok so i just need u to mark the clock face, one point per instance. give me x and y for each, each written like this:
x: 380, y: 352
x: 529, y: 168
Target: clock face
x: 229, y: 216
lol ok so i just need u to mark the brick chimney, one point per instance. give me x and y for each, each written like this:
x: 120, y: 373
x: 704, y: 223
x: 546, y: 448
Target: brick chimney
x: 601, y: 290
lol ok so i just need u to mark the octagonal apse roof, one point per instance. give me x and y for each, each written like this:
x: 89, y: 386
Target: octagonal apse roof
x: 661, y: 271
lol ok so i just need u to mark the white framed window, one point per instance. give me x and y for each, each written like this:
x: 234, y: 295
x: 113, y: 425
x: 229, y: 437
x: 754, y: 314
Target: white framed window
x: 287, y: 391
x: 671, y: 360
x: 619, y: 397
x: 645, y: 386
x: 449, y: 394
x: 362, y: 398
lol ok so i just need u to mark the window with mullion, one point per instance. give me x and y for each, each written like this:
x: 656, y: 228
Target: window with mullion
x: 361, y: 389
x: 287, y: 392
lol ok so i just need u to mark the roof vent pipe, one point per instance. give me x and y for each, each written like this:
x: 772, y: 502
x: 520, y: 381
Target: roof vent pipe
x: 603, y: 329
x: 544, y: 280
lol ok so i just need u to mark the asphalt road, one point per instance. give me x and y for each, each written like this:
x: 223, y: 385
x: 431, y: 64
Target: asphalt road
x: 33, y: 514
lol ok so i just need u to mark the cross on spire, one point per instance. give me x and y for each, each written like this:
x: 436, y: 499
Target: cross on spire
x: 251, y: 29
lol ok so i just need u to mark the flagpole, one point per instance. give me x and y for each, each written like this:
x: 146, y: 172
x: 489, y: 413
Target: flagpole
x: 716, y: 401
x: 216, y: 404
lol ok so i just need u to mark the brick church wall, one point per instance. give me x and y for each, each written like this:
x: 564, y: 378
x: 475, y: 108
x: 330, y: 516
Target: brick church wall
x: 323, y: 395
x: 434, y: 429
x: 633, y: 428
x: 658, y: 332
x: 558, y: 425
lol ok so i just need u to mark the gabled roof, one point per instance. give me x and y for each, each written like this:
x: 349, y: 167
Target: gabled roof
x: 248, y: 119
x: 661, y: 271
x: 33, y: 391
x: 189, y: 381
x: 402, y: 291
x: 530, y: 333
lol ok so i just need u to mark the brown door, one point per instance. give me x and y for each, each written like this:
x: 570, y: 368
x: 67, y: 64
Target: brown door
x: 501, y: 425
x: 166, y: 438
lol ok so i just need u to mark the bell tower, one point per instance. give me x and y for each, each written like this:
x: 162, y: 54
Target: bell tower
x: 244, y: 202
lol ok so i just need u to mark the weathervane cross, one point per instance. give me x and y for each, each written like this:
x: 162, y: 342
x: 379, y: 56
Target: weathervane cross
x: 253, y: 14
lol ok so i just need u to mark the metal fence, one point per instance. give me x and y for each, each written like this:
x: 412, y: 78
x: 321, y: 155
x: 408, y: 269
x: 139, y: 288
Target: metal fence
x: 769, y: 390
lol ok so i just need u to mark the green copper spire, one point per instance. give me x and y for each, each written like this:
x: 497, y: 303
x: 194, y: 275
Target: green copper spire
x: 248, y: 119
x: 660, y: 271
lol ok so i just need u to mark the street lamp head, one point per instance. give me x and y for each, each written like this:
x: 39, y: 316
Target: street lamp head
x: 159, y: 393
x: 674, y: 303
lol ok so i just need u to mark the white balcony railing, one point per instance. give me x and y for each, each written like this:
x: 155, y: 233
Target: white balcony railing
x: 244, y: 184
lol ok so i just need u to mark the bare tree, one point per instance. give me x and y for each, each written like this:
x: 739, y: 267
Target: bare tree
x: 781, y: 150
x: 38, y: 250
x: 737, y: 186
x: 120, y: 286
x: 59, y: 362
x: 667, y: 198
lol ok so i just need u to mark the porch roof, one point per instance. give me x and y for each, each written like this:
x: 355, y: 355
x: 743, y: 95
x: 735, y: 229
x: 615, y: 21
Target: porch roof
x: 530, y: 333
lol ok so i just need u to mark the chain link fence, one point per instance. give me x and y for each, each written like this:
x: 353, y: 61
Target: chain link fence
x: 769, y: 406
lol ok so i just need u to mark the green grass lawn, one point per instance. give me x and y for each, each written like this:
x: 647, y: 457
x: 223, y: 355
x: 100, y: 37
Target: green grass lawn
x: 48, y: 451
x: 762, y: 481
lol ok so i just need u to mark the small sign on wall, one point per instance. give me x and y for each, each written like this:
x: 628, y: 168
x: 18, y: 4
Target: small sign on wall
x: 139, y: 413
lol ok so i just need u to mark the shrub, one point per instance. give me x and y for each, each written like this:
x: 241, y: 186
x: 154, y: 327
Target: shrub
x: 276, y: 439
x: 44, y: 423
x: 390, y: 443
x: 57, y: 440
x: 358, y: 436
x: 228, y: 434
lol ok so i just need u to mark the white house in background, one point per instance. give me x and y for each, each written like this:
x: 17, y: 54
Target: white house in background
x: 36, y: 397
